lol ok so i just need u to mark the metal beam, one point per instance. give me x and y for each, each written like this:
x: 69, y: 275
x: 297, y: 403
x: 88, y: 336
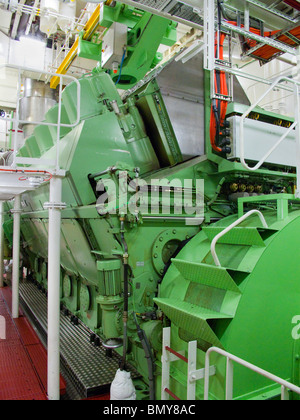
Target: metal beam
x: 262, y: 40
x: 271, y: 10
x: 89, y: 29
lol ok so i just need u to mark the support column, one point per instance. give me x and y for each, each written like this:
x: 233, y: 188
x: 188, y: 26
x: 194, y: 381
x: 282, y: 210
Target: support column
x: 1, y: 243
x: 54, y: 206
x: 16, y: 256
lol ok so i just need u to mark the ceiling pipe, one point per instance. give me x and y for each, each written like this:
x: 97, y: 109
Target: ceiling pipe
x: 28, y: 27
x: 17, y: 19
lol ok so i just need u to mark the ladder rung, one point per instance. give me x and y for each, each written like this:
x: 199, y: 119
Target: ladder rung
x: 177, y: 354
x: 172, y: 394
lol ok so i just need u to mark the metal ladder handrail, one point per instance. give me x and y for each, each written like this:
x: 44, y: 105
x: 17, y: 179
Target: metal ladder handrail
x: 252, y: 107
x: 229, y: 228
x: 285, y: 385
x: 17, y: 120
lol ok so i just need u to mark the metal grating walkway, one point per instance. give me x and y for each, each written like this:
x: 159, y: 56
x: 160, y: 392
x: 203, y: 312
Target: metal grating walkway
x: 91, y: 370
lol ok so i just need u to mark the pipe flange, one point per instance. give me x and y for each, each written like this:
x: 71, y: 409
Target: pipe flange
x: 164, y: 247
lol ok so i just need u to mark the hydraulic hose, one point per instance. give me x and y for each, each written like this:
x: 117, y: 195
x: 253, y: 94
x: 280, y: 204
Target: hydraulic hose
x: 149, y: 357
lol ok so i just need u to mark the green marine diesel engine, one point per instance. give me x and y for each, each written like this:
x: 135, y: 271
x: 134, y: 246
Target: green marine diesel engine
x: 137, y: 230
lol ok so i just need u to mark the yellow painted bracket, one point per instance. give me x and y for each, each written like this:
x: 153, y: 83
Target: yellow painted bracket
x: 88, y: 31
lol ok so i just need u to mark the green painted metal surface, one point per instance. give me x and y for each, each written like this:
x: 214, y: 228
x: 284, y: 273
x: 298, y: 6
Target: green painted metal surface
x: 246, y: 306
x: 261, y: 330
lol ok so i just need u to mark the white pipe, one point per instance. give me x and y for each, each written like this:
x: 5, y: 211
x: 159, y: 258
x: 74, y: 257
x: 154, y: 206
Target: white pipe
x: 32, y: 15
x: 1, y: 243
x: 17, y: 19
x: 16, y: 257
x: 233, y: 225
x: 54, y: 239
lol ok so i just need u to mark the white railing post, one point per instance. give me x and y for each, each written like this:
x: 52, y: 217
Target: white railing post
x: 16, y: 120
x: 54, y: 239
x: 165, y: 361
x: 16, y: 256
x: 192, y: 367
x: 229, y: 228
x: 285, y: 385
x: 229, y: 380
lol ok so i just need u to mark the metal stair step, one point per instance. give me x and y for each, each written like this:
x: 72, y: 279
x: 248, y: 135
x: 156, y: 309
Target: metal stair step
x: 207, y: 275
x: 237, y: 236
x: 192, y: 318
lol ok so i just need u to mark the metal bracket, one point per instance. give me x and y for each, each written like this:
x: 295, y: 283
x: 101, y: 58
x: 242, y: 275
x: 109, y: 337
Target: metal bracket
x: 200, y: 374
x: 54, y: 206
x: 16, y: 211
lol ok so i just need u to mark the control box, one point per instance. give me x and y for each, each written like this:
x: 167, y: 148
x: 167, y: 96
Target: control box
x: 113, y: 45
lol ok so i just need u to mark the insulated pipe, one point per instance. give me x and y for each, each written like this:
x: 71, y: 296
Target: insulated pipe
x: 16, y: 256
x: 54, y: 207
x: 1, y: 243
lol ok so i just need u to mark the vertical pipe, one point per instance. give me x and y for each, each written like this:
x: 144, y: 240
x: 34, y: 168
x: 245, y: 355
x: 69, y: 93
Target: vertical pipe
x: 58, y: 125
x: 16, y: 257
x: 1, y: 243
x: 247, y: 16
x: 17, y: 120
x: 55, y: 208
x: 11, y: 131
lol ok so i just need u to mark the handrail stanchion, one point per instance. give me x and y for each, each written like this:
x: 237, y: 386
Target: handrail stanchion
x: 229, y: 228
x: 285, y: 385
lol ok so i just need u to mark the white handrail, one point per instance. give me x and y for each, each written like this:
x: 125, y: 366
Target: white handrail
x: 233, y: 225
x: 17, y: 121
x: 252, y: 107
x: 285, y: 385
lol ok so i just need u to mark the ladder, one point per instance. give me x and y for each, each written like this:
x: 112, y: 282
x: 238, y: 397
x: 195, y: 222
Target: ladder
x: 193, y: 375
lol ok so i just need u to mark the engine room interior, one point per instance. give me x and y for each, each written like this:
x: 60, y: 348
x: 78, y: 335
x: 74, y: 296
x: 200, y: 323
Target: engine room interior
x: 149, y: 200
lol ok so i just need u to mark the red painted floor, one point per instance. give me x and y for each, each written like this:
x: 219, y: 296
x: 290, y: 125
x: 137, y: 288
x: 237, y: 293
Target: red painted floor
x: 23, y: 359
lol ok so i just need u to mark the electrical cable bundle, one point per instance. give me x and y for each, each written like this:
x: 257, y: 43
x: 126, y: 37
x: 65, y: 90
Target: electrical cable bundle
x: 219, y: 106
